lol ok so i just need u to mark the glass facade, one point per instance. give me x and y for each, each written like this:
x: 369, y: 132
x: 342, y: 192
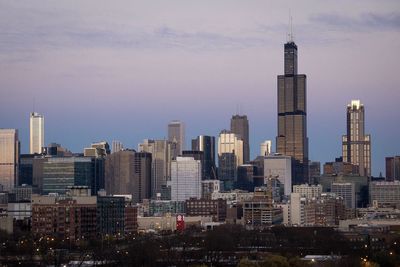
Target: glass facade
x: 9, y: 158
x: 240, y: 127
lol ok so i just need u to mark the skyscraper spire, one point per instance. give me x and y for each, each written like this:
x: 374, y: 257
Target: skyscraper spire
x: 290, y: 33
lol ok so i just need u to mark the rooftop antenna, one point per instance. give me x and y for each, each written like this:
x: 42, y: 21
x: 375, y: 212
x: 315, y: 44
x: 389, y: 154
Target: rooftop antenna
x: 33, y: 105
x: 290, y: 34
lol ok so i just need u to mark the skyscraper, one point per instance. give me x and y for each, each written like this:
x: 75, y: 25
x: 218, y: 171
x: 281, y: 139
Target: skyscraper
x: 265, y: 148
x: 116, y: 146
x: 206, y: 144
x: 36, y: 133
x: 176, y: 134
x: 129, y: 172
x: 9, y: 158
x: 185, y: 178
x: 292, y: 137
x: 356, y: 145
x: 392, y: 168
x: 162, y: 152
x: 240, y: 127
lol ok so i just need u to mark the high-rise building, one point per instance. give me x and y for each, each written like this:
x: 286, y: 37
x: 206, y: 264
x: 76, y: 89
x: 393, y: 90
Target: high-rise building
x: 197, y: 155
x: 207, y: 145
x: 356, y: 145
x: 129, y: 172
x: 240, y: 127
x: 9, y: 158
x: 36, y: 133
x: 60, y: 173
x: 245, y: 177
x: 162, y: 152
x: 176, y: 134
x: 99, y: 149
x: 292, y: 137
x: 384, y: 194
x: 308, y: 191
x: 116, y: 146
x: 185, y: 179
x: 280, y: 167
x: 392, y: 168
x: 265, y: 148
x: 347, y: 192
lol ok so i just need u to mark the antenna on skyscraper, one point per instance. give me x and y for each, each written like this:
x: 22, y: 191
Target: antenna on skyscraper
x: 290, y: 34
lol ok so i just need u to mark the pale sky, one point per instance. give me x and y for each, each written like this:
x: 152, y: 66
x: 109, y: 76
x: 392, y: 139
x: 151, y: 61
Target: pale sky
x: 105, y: 70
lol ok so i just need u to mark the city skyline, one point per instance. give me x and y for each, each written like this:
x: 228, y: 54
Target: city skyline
x: 250, y: 55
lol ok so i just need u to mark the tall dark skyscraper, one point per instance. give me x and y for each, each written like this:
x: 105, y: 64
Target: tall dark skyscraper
x: 292, y: 137
x: 240, y: 127
x: 206, y: 144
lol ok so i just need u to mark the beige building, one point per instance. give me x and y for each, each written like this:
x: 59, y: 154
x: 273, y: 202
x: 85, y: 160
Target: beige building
x: 229, y: 142
x: 9, y: 158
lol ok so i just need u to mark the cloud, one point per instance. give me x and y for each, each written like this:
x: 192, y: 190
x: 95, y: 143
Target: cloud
x: 364, y: 22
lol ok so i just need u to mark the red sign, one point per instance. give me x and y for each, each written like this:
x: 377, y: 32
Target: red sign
x: 180, y: 222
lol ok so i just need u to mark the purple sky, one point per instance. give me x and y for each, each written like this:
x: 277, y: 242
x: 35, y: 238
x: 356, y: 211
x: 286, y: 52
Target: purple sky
x: 121, y: 70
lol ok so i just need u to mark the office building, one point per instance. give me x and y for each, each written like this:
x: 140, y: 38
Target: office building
x: 111, y: 215
x: 356, y: 145
x: 116, y: 146
x: 197, y: 155
x: 392, y: 168
x: 314, y: 170
x: 308, y: 191
x: 36, y: 127
x: 347, y: 192
x: 68, y: 218
x: 59, y: 173
x: 245, y: 177
x: 176, y: 134
x: 341, y: 168
x: 100, y: 149
x: 207, y: 208
x: 9, y: 158
x: 208, y: 187
x: 266, y: 148
x: 384, y: 194
x: 57, y: 150
x: 185, y: 179
x: 162, y: 152
x: 206, y: 144
x: 280, y: 167
x: 329, y: 210
x: 292, y: 137
x: 129, y: 172
x: 240, y: 127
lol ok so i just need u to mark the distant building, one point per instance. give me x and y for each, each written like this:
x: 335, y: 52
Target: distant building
x: 207, y: 207
x: 240, y: 127
x: 152, y: 207
x: 185, y: 179
x: 392, y: 168
x: 356, y: 145
x: 208, y: 187
x: 301, y: 211
x: 329, y: 210
x: 314, y: 170
x: 206, y: 144
x: 347, y: 192
x: 100, y: 149
x: 64, y: 217
x: 245, y: 177
x: 111, y: 215
x: 385, y: 194
x: 280, y: 167
x: 266, y: 148
x: 260, y: 211
x: 197, y: 155
x: 340, y: 168
x: 57, y: 150
x: 176, y: 134
x: 36, y: 126
x: 59, y: 173
x: 9, y: 158
x: 308, y: 191
x: 116, y: 146
x: 292, y: 137
x: 129, y: 172
x: 162, y: 152
x: 230, y: 156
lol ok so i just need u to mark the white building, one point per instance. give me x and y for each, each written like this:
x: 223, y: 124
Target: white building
x: 185, y: 178
x: 347, y: 192
x: 384, y: 194
x: 265, y: 148
x: 116, y: 146
x: 9, y: 158
x: 36, y: 133
x: 308, y: 191
x: 281, y: 167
